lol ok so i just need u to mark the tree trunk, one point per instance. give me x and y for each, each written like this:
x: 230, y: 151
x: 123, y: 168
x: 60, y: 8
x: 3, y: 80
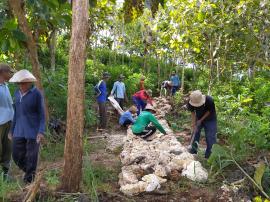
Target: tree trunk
x: 18, y: 10
x: 158, y: 71
x: 72, y: 172
x: 52, y: 48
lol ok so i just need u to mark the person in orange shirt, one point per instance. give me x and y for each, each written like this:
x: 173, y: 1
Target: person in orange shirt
x: 141, y: 99
x: 142, y: 83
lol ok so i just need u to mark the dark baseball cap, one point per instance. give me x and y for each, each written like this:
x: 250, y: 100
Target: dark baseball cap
x: 106, y: 75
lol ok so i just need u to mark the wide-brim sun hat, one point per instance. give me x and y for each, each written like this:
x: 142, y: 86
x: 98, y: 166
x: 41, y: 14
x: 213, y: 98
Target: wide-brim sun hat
x: 197, y: 99
x: 150, y: 107
x: 23, y: 76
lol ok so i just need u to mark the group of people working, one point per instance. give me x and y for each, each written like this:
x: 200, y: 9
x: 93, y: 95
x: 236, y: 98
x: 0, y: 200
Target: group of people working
x: 22, y: 122
x: 141, y: 115
x: 22, y: 119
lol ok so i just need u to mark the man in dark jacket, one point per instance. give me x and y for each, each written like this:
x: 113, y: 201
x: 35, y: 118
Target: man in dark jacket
x: 204, y: 116
x: 28, y: 127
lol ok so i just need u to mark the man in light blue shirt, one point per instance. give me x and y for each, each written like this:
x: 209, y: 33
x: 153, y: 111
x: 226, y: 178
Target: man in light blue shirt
x: 119, y: 91
x: 6, y: 115
x: 175, y: 82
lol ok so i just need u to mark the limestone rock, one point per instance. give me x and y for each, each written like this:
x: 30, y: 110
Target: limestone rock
x: 160, y: 171
x: 195, y: 172
x: 134, y: 189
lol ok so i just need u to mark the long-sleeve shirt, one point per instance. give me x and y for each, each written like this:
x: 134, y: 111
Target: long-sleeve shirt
x: 29, y: 117
x: 6, y: 108
x: 126, y: 116
x: 119, y: 90
x: 144, y: 119
x: 102, y: 97
x: 175, y: 80
x: 142, y: 95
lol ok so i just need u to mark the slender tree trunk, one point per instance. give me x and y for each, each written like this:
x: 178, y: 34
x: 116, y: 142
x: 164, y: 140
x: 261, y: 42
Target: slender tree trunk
x: 72, y: 173
x: 52, y: 48
x: 158, y: 70
x: 19, y: 12
x: 218, y: 69
x: 183, y: 73
x: 211, y: 66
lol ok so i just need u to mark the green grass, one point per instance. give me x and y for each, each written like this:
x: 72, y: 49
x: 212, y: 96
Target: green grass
x: 90, y: 147
x: 52, y: 177
x: 96, y: 178
x: 7, y: 188
x: 52, y: 151
x: 177, y: 123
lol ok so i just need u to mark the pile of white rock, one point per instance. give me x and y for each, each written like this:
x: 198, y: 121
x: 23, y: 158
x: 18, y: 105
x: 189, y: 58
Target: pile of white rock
x: 148, y: 164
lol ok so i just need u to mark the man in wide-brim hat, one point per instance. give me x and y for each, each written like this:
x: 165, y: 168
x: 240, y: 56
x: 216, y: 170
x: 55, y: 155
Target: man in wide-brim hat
x: 203, y: 114
x: 142, y: 127
x: 6, y: 116
x: 28, y: 126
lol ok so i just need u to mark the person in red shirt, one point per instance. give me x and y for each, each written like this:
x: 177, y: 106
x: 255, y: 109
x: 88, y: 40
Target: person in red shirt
x: 142, y: 83
x: 141, y: 98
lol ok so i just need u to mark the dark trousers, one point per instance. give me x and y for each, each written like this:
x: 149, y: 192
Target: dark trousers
x: 127, y: 123
x: 210, y: 128
x: 5, y: 147
x: 148, y: 131
x: 140, y: 104
x: 102, y: 115
x: 25, y: 155
x: 120, y: 102
x: 174, y: 89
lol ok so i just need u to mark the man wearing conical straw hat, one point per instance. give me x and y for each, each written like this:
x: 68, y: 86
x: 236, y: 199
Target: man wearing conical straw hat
x: 204, y: 116
x: 28, y: 126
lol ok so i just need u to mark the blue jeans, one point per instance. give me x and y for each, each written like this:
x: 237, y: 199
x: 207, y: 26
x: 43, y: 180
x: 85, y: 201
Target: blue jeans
x: 210, y: 128
x: 140, y: 104
x: 174, y: 89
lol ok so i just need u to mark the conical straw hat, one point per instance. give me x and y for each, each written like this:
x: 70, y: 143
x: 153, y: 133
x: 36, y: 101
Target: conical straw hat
x: 23, y: 76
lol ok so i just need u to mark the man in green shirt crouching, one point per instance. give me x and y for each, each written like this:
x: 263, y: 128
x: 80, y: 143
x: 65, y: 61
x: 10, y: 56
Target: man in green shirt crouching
x: 142, y: 128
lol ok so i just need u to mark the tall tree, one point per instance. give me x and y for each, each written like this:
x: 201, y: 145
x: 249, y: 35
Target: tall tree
x: 19, y: 12
x: 18, y: 9
x: 72, y: 172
